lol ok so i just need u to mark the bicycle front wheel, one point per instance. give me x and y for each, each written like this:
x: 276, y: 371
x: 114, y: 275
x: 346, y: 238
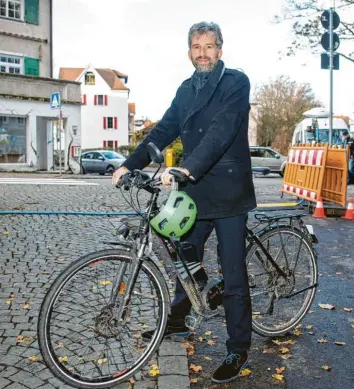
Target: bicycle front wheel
x: 279, y: 304
x: 79, y: 335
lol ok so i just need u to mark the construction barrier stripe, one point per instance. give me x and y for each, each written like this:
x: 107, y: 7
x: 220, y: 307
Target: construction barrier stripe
x: 306, y: 157
x: 300, y: 191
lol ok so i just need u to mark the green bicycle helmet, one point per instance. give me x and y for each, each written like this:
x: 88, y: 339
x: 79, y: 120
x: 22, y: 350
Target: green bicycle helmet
x: 176, y: 217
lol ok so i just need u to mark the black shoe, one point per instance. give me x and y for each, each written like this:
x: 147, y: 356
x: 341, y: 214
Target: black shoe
x: 230, y: 368
x: 175, y: 327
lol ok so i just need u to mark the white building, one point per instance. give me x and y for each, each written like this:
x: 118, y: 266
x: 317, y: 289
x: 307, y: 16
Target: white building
x: 27, y: 135
x: 105, y: 114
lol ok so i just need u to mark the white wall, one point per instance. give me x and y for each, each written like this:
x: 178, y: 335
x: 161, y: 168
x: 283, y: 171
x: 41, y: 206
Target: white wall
x: 93, y: 133
x: 33, y: 109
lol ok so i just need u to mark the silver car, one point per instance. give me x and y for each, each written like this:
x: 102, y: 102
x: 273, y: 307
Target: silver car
x: 101, y: 161
x: 268, y: 158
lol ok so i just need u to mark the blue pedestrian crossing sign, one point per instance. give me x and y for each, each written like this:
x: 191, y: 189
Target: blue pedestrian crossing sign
x: 55, y: 100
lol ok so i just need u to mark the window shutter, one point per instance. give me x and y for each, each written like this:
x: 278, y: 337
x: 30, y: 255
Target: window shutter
x: 104, y: 144
x: 104, y: 122
x: 115, y: 123
x: 84, y: 99
x: 32, y: 66
x: 116, y: 144
x: 95, y: 100
x: 105, y: 100
x: 32, y: 11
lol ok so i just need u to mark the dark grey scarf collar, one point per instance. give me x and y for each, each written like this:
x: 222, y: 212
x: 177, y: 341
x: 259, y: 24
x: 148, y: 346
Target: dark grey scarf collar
x: 199, y: 79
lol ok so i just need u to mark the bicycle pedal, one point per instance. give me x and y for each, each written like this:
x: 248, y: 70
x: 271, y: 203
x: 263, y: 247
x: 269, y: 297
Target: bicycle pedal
x: 192, y: 322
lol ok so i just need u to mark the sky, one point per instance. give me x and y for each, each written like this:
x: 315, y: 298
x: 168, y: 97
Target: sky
x: 147, y: 40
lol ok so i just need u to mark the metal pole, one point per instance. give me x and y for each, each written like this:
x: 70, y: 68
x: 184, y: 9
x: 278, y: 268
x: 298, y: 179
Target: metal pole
x: 330, y: 75
x: 59, y: 131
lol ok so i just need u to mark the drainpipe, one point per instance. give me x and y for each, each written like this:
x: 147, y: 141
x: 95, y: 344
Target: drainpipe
x: 51, y: 37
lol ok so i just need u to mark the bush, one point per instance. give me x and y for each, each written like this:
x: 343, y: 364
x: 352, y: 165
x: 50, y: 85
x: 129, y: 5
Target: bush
x: 126, y: 150
x: 178, y: 151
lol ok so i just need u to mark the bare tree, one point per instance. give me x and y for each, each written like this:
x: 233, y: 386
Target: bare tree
x: 280, y: 105
x: 307, y: 29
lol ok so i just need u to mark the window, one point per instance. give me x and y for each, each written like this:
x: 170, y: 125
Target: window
x: 89, y: 78
x: 110, y: 144
x: 100, y: 100
x: 110, y: 123
x: 255, y: 153
x: 12, y: 139
x: 10, y: 9
x: 10, y: 63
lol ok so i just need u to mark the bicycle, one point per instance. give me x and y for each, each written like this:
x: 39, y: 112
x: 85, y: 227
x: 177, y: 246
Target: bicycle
x: 89, y: 343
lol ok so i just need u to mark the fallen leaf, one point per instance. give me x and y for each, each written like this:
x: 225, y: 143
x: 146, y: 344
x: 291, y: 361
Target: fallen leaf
x: 284, y: 350
x: 101, y: 361
x: 5, y: 233
x: 132, y: 381
x: 195, y: 368
x: 279, y: 343
x: 280, y: 370
x: 26, y: 306
x: 311, y: 333
x: 245, y: 372
x: 299, y: 326
x: 326, y: 368
x: 322, y: 341
x: 255, y: 348
x: 201, y: 339
x: 348, y: 309
x: 278, y: 377
x: 286, y: 356
x: 211, y: 343
x: 60, y: 345
x: 310, y: 312
x: 353, y: 325
x: 194, y: 380
x: 339, y: 343
x: 297, y: 332
x: 338, y: 273
x: 104, y: 283
x: 327, y: 306
x: 63, y: 359
x: 189, y: 347
x: 29, y: 339
x: 33, y: 358
x: 309, y: 327
x: 208, y: 358
x: 154, y: 371
x: 61, y: 260
x: 20, y: 339
x: 143, y: 325
x: 270, y: 350
x: 207, y: 333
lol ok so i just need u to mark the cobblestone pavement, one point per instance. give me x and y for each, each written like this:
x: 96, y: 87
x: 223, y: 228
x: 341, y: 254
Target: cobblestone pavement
x: 34, y: 249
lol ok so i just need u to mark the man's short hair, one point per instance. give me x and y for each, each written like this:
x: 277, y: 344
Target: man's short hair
x: 206, y: 28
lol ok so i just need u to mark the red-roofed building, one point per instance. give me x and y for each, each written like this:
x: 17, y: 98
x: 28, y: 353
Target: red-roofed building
x: 105, y: 113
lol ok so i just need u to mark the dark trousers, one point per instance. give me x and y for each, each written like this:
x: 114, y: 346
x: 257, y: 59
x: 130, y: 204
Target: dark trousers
x: 237, y: 303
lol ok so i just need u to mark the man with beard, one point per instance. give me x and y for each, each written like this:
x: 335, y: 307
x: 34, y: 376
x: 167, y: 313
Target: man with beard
x: 210, y: 114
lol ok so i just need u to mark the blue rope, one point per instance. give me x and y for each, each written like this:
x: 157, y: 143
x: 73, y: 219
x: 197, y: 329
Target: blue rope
x: 68, y: 213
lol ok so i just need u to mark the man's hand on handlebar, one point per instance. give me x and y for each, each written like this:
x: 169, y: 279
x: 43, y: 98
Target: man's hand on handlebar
x: 166, y: 176
x: 118, y: 174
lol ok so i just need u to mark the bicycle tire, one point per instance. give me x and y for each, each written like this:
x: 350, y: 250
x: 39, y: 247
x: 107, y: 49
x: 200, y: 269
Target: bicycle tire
x: 283, y: 329
x: 44, y: 319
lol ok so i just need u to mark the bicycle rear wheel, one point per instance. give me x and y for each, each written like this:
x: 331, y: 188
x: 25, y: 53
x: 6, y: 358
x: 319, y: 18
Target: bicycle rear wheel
x: 79, y: 336
x: 279, y: 304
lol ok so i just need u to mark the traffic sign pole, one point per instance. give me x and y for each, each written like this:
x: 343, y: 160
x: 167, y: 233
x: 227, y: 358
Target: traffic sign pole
x: 330, y: 76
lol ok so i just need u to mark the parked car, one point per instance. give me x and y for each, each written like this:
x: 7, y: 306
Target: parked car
x: 101, y: 161
x: 269, y: 158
